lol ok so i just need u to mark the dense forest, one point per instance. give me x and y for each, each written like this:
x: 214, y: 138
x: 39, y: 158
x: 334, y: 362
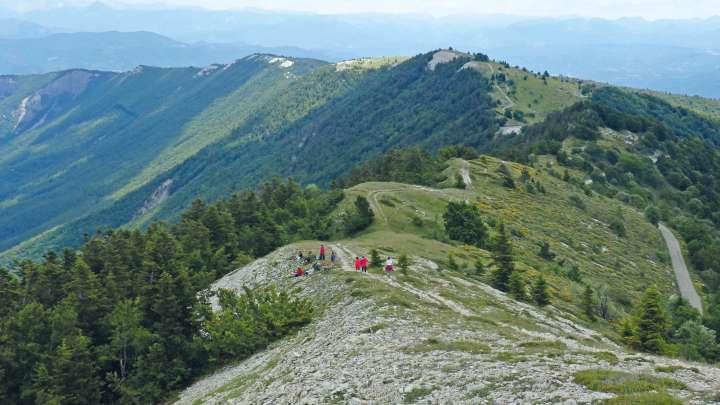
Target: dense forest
x: 411, y: 166
x: 121, y: 320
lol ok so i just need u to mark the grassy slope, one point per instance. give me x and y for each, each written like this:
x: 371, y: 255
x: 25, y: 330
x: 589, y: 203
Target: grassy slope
x: 626, y: 265
x: 707, y: 107
x: 528, y: 93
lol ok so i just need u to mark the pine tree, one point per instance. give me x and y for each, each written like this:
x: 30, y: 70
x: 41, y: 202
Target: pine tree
x: 362, y: 218
x: 652, y: 322
x: 503, y: 260
x: 403, y: 263
x: 588, y: 302
x: 128, y: 337
x: 479, y: 268
x: 540, y: 292
x: 460, y: 182
x: 452, y: 264
x: 545, y: 251
x: 70, y: 374
x: 375, y: 260
x: 574, y: 273
x: 517, y: 287
x: 463, y: 222
x: 628, y: 333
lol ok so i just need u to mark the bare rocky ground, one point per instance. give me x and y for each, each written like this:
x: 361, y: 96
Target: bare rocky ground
x: 431, y: 337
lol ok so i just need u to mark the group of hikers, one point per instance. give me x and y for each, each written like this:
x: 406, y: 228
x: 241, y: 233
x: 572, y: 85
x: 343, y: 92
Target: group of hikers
x: 361, y: 263
x: 307, y: 259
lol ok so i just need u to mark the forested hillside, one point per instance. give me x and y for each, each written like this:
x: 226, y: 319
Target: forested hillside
x: 643, y: 151
x: 76, y: 141
x: 136, y: 195
x: 102, y: 153
x: 121, y: 321
x: 278, y: 117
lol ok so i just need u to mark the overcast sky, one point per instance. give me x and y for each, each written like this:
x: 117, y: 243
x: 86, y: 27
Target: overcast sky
x: 650, y: 9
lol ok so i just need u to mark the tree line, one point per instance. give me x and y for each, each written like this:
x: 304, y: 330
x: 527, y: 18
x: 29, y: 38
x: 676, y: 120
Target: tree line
x: 125, y: 319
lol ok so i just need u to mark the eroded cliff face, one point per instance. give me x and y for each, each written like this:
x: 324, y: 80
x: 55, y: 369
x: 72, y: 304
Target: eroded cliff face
x: 158, y: 196
x: 34, y: 108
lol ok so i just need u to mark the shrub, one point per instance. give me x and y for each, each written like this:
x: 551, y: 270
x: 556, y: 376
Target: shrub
x: 463, y: 222
x: 249, y: 321
x: 617, y: 225
x: 620, y: 382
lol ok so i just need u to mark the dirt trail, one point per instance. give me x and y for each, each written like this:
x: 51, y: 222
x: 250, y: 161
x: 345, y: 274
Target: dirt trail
x: 346, y: 256
x: 687, y: 289
x: 377, y: 208
x: 465, y: 173
x: 375, y: 204
x: 508, y: 102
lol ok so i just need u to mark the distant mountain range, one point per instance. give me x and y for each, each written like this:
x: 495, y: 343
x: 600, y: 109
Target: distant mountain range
x: 122, y: 51
x: 681, y: 56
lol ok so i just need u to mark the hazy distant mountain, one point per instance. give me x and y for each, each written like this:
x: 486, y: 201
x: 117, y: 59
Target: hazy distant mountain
x: 14, y: 28
x: 361, y: 32
x: 668, y: 68
x: 120, y: 51
x: 670, y: 55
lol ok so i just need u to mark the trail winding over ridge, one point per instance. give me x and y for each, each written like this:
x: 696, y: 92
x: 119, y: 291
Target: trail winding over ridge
x: 687, y: 289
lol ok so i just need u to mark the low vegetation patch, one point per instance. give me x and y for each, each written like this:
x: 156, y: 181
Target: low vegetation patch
x: 646, y: 398
x: 620, y: 382
x: 415, y: 394
x: 608, y: 357
x: 544, y: 345
x: 674, y: 368
x: 432, y: 344
x: 374, y: 328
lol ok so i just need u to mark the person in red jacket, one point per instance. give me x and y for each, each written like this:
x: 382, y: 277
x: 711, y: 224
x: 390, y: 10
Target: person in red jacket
x: 298, y: 272
x: 357, y: 263
x: 322, y: 252
x: 363, y: 264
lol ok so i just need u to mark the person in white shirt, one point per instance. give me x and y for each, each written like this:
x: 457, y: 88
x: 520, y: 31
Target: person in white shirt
x: 389, y: 264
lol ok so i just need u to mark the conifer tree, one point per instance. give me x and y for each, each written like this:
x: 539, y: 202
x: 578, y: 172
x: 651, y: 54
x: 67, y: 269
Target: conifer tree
x: 540, y: 292
x: 652, y: 322
x: 628, y: 333
x: 70, y: 375
x: 588, y: 302
x: 375, y: 260
x: 403, y: 263
x: 463, y: 222
x: 460, y: 182
x: 479, y: 268
x: 128, y: 337
x: 545, y: 251
x: 517, y: 287
x: 452, y: 264
x: 503, y: 260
